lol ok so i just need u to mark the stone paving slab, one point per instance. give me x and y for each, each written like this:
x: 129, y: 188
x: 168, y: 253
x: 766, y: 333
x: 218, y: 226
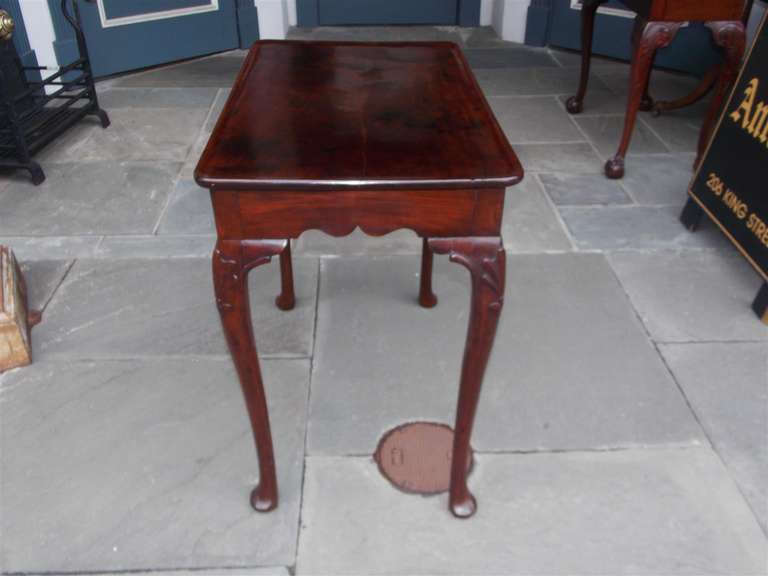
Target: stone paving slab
x: 692, y: 296
x: 532, y: 119
x: 655, y: 511
x: 579, y: 157
x: 166, y: 97
x: 636, y: 228
x: 583, y: 189
x: 189, y: 211
x: 678, y: 131
x: 509, y: 56
x: 532, y: 81
x: 277, y: 571
x: 530, y: 223
x: 190, y: 163
x: 664, y: 85
x: 727, y: 386
x: 159, y: 307
x: 217, y: 71
x: 605, y: 132
x: 597, y: 103
x: 481, y: 37
x: 572, y: 59
x: 137, y: 465
x: 215, y: 112
x: 28, y: 248
x: 660, y: 179
x: 42, y: 277
x: 93, y: 198
x: 572, y: 367
x: 156, y: 134
x: 154, y: 247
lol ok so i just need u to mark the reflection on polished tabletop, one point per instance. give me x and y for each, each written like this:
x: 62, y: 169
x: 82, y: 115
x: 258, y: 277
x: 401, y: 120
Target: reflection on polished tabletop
x: 322, y: 115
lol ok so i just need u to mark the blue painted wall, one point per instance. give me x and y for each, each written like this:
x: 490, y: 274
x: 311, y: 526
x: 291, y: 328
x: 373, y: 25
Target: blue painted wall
x: 65, y: 45
x: 133, y: 46
x: 247, y: 23
x: 134, y: 7
x: 20, y: 38
x: 383, y: 12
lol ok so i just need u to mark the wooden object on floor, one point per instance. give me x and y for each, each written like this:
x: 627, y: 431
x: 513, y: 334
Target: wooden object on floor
x: 656, y: 25
x: 336, y: 136
x: 15, y: 348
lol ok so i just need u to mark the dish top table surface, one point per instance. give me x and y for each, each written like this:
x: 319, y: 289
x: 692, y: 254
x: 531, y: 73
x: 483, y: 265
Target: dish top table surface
x: 317, y: 115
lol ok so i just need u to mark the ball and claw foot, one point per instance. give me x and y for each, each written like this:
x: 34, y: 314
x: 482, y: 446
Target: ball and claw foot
x: 428, y: 300
x: 285, y: 302
x: 647, y: 104
x: 263, y: 502
x: 464, y: 508
x: 614, y: 168
x: 574, y: 105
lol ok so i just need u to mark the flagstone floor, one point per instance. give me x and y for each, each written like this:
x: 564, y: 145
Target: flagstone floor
x: 623, y: 424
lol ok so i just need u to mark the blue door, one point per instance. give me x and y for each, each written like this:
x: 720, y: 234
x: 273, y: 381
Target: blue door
x: 128, y: 34
x: 335, y: 12
x: 349, y: 12
x: 691, y: 50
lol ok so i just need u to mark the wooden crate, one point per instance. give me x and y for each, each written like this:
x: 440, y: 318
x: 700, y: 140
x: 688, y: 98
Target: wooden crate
x: 15, y: 349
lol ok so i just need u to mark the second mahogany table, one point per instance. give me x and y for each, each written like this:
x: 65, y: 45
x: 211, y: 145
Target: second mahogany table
x: 656, y: 25
x: 380, y: 136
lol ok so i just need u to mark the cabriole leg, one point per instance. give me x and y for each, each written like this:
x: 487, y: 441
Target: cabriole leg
x: 287, y: 299
x: 575, y: 104
x: 646, y: 102
x: 232, y: 260
x: 485, y: 260
x: 427, y: 297
x: 653, y: 35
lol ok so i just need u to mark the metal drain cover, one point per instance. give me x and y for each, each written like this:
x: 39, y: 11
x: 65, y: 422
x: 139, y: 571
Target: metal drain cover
x: 416, y: 457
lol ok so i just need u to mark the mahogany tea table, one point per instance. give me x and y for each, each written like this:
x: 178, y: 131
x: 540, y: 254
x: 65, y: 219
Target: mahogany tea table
x: 336, y: 136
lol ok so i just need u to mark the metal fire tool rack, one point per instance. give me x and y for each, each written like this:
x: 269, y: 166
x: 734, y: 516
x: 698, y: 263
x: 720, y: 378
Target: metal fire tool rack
x: 30, y: 115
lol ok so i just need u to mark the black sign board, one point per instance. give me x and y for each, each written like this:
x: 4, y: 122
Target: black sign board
x: 729, y: 184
